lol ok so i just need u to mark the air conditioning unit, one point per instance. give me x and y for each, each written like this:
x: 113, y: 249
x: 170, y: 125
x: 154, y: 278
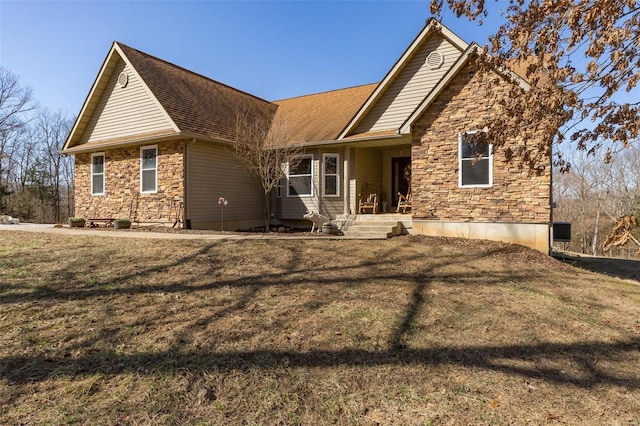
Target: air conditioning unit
x: 562, y: 232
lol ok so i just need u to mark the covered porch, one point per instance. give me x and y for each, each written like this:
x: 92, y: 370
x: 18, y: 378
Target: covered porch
x: 338, y: 177
x: 376, y: 172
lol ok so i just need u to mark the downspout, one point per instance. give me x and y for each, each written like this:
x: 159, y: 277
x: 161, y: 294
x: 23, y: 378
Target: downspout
x: 185, y: 183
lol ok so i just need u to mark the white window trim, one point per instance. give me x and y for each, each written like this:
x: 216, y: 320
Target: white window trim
x: 104, y: 179
x: 460, y: 161
x: 289, y: 176
x: 336, y: 174
x: 143, y: 148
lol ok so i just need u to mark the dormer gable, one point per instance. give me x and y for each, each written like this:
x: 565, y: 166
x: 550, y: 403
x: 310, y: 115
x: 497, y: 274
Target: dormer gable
x: 409, y: 81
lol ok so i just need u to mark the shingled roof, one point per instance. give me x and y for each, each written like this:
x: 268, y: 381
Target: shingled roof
x: 322, y: 116
x: 204, y: 108
x: 201, y: 106
x: 198, y: 105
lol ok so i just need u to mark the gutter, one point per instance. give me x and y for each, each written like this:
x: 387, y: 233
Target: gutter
x: 341, y: 141
x: 94, y: 146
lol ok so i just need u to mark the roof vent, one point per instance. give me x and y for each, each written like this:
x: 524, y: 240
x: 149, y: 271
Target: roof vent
x: 434, y: 60
x: 123, y: 79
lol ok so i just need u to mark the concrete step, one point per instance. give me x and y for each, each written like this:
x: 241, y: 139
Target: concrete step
x: 373, y: 229
x: 389, y: 217
x: 362, y: 235
x: 378, y: 223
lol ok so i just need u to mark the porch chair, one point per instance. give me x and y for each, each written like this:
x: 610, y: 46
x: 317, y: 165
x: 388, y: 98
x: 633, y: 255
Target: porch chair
x: 404, y: 202
x: 370, y: 203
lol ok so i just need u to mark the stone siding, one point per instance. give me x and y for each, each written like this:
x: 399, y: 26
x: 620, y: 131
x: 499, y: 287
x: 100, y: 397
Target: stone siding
x: 516, y: 196
x: 122, y: 184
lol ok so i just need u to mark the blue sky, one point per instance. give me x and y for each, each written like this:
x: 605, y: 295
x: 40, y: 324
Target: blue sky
x: 272, y: 49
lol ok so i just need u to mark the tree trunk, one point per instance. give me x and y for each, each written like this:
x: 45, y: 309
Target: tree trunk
x: 594, y: 243
x: 267, y: 211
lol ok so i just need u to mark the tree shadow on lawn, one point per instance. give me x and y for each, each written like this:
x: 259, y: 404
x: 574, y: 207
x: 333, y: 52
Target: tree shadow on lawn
x: 619, y: 268
x: 25, y: 369
x: 121, y: 284
x: 518, y: 360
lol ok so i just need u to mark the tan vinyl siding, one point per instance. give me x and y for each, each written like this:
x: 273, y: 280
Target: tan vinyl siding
x: 212, y: 172
x: 368, y: 163
x: 295, y: 207
x: 411, y: 86
x: 123, y: 112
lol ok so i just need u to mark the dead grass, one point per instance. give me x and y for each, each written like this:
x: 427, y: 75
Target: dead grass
x: 412, y: 330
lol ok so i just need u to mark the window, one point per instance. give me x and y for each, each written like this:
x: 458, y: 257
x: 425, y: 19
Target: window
x: 330, y: 169
x: 475, y: 160
x: 148, y: 169
x: 97, y: 174
x: 300, y: 177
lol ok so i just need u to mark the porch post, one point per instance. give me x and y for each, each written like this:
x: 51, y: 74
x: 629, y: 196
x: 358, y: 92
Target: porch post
x: 346, y: 187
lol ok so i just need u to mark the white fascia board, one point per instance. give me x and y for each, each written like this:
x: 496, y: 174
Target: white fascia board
x: 444, y: 81
x: 431, y: 26
x: 461, y: 62
x: 453, y: 37
x: 144, y: 84
x: 84, y: 110
x: 92, y: 147
x: 506, y: 72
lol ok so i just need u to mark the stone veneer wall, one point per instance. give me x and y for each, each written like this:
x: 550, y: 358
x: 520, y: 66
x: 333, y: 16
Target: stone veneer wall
x: 122, y: 182
x: 515, y: 197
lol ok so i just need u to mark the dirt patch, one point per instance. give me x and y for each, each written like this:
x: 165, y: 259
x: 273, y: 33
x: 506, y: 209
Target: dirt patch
x: 499, y: 250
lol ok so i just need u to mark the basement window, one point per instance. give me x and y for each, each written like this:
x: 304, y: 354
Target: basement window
x: 97, y: 174
x: 149, y: 169
x: 475, y: 160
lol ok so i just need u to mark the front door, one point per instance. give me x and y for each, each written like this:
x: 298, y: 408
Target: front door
x: 400, y: 177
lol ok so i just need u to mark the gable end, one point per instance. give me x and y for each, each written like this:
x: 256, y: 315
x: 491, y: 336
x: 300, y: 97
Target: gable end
x: 126, y: 111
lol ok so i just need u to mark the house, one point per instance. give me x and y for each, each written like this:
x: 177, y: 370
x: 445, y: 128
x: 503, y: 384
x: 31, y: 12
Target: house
x: 152, y: 141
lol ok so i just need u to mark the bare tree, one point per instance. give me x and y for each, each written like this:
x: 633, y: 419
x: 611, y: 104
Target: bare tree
x: 626, y: 176
x: 23, y: 164
x: 68, y: 184
x: 262, y: 147
x: 33, y: 176
x: 52, y: 129
x: 15, y: 102
x: 582, y: 58
x: 580, y: 199
x: 594, y: 193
